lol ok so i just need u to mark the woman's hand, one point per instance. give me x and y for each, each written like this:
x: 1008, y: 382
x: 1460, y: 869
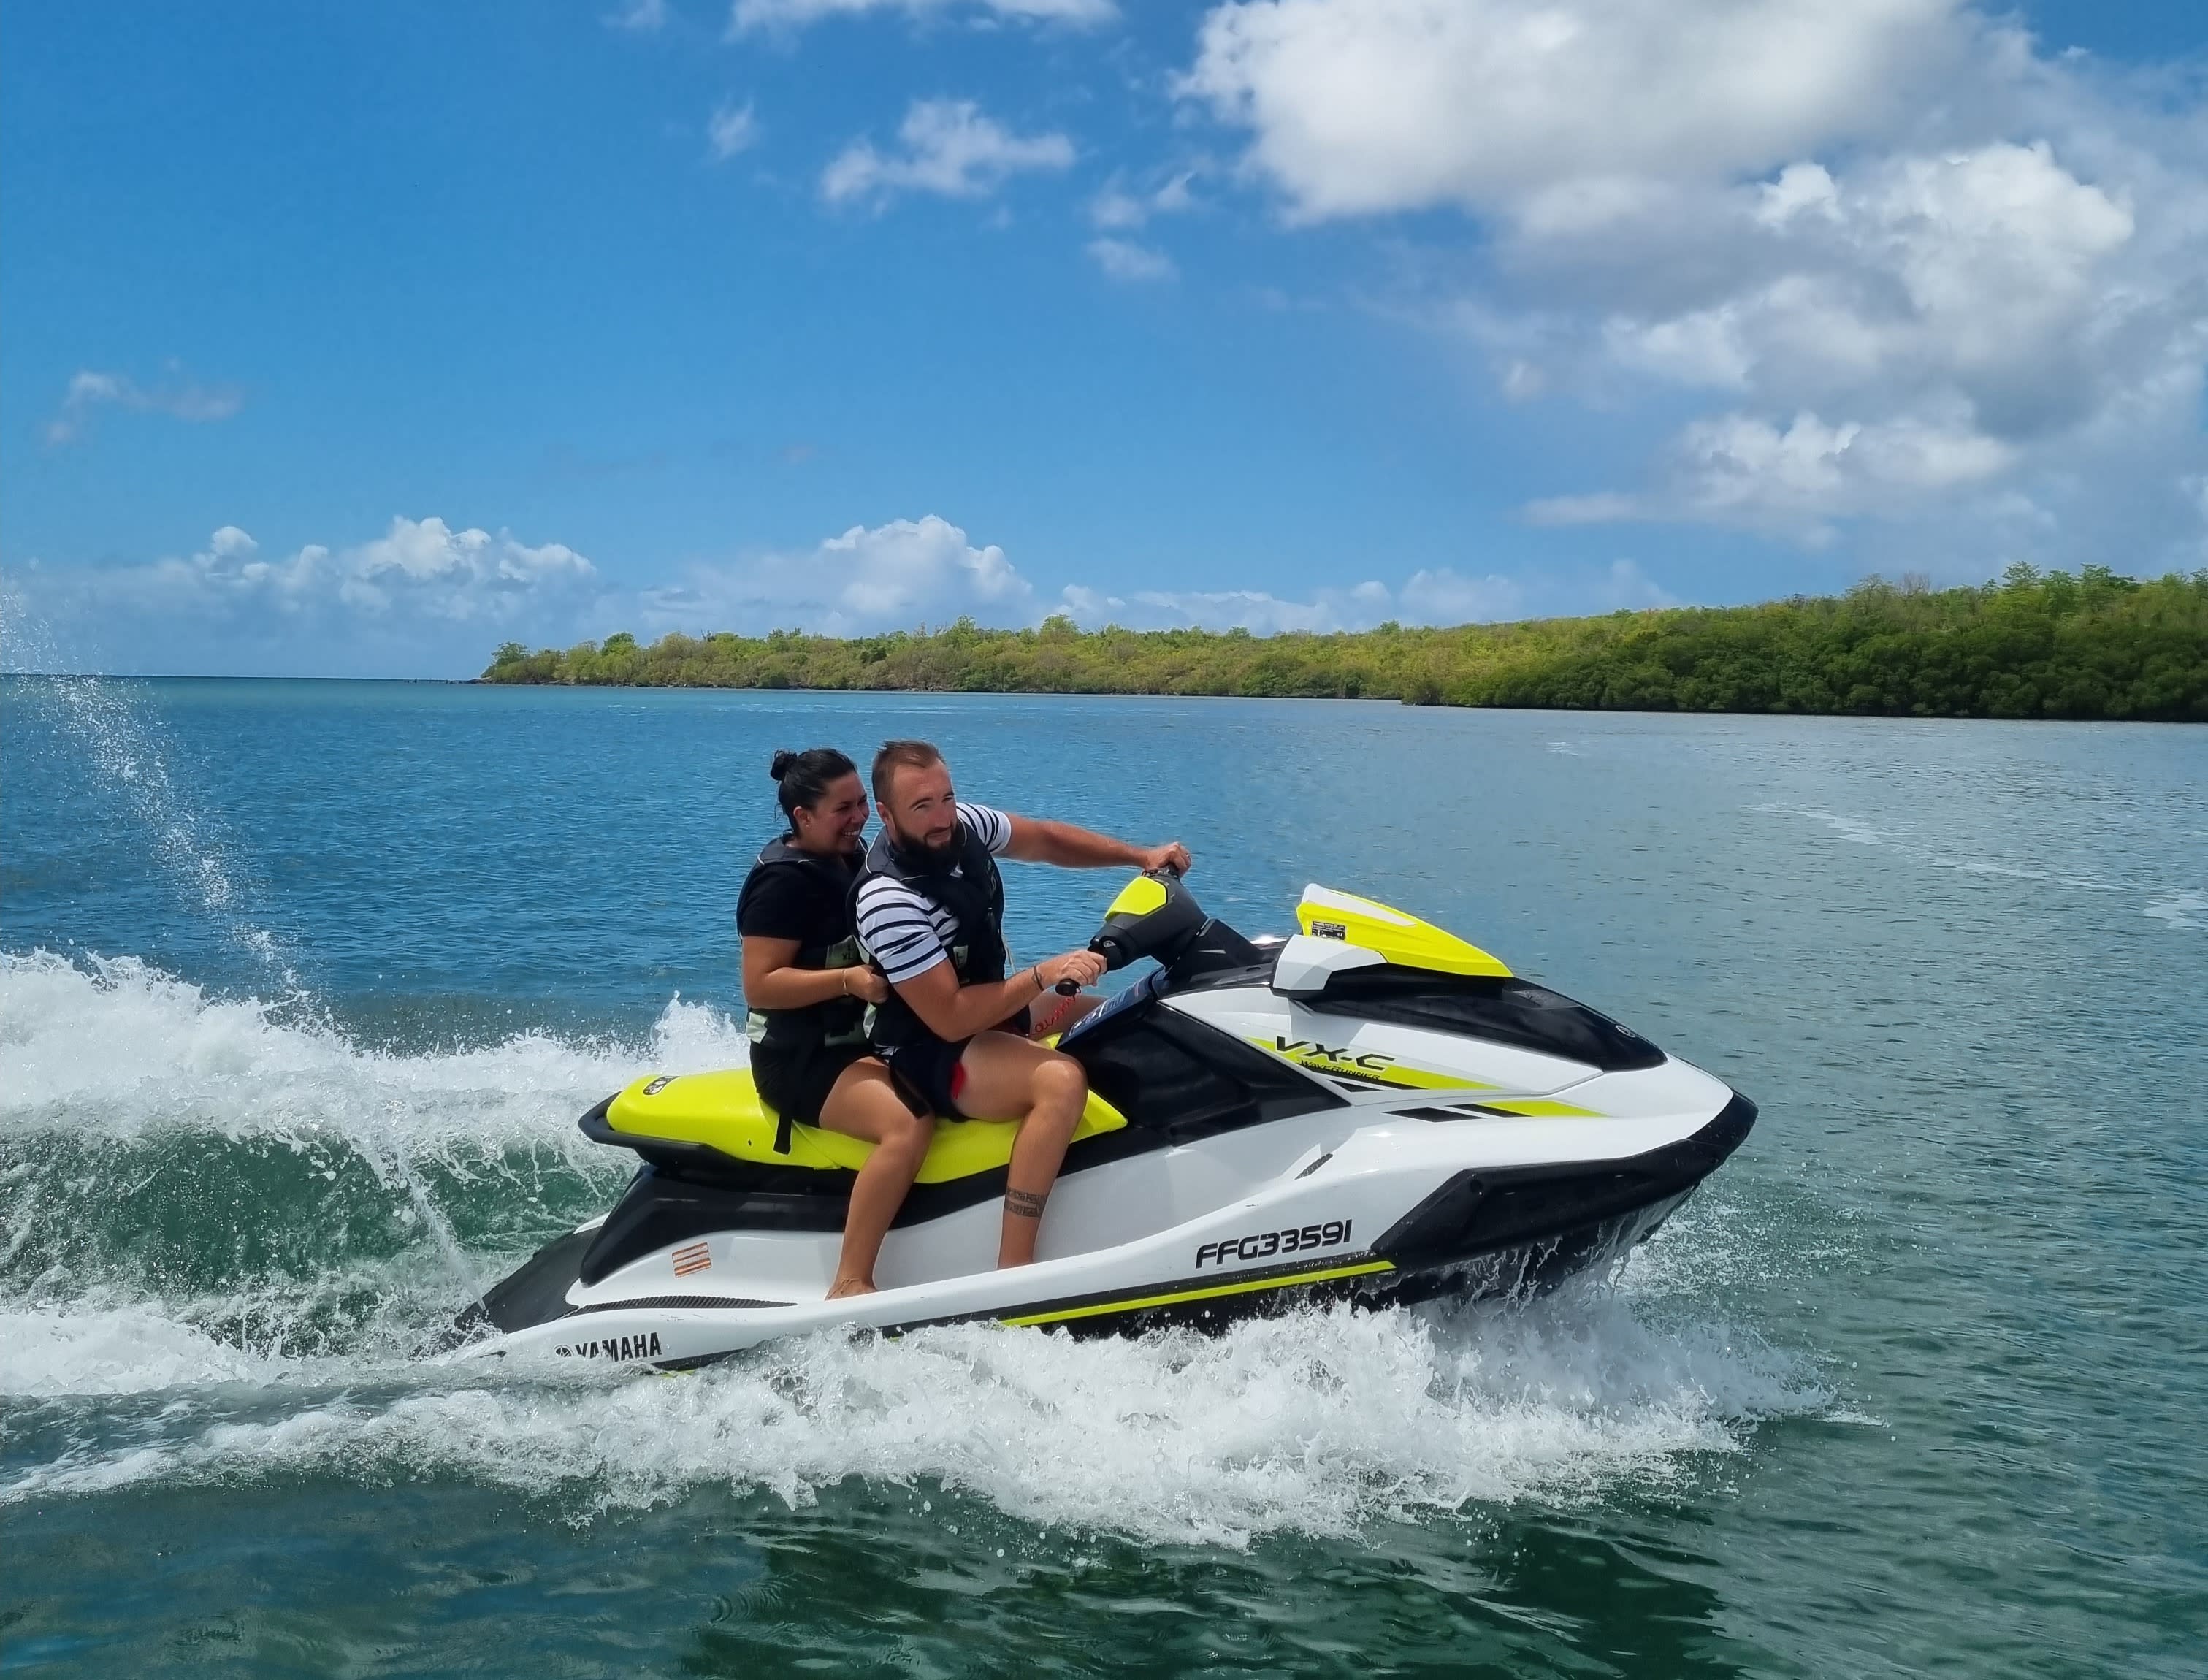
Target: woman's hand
x: 860, y: 981
x: 1082, y: 968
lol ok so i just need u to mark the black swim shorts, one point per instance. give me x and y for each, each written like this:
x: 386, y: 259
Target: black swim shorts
x: 928, y: 1075
x: 796, y: 1086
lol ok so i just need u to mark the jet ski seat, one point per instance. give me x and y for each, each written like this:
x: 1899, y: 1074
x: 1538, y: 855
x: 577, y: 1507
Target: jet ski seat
x: 722, y: 1112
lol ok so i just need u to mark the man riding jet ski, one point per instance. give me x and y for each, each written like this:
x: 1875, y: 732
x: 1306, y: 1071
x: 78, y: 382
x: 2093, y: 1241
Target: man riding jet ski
x: 955, y: 1030
x: 1371, y: 1108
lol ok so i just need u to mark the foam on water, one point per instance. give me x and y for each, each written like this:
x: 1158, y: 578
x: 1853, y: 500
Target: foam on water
x: 115, y: 1046
x: 2181, y: 910
x: 2173, y: 907
x: 135, y: 1349
x: 1315, y: 1423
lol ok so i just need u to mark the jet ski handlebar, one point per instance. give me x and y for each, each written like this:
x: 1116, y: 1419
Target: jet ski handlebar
x: 1158, y: 922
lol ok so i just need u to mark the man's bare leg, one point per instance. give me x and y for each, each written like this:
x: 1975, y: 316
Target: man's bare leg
x: 865, y: 1104
x: 1009, y: 1078
x: 1051, y: 1014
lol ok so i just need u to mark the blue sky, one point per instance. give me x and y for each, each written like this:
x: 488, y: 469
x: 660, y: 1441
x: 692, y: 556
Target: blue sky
x: 360, y: 339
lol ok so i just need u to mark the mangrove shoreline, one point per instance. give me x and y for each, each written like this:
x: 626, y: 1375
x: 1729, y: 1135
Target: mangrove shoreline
x: 2033, y: 645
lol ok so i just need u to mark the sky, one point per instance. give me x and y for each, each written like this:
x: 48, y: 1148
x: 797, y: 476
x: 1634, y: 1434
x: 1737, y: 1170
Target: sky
x: 359, y: 340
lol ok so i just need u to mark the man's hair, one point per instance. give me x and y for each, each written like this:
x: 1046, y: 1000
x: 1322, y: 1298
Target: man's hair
x: 918, y: 753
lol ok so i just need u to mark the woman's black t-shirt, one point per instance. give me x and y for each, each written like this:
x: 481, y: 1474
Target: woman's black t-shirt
x: 807, y: 905
x: 798, y: 1053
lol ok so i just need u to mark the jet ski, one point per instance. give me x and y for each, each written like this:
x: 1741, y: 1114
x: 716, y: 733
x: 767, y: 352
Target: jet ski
x: 1370, y: 1109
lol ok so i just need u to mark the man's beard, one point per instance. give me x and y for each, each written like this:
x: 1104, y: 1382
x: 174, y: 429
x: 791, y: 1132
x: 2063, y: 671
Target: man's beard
x: 939, y: 857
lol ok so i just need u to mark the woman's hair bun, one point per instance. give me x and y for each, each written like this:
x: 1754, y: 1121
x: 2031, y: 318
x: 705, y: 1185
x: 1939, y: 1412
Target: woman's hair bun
x: 782, y: 762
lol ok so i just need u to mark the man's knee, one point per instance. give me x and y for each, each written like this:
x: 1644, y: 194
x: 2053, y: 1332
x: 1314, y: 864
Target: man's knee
x: 1061, y: 1077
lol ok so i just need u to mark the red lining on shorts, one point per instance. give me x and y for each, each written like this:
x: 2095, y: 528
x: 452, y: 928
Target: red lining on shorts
x: 957, y: 1079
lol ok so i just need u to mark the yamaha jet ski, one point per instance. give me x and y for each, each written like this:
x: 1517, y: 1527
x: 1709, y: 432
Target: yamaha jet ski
x: 1370, y: 1109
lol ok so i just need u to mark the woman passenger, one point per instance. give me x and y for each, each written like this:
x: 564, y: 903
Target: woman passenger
x: 807, y: 988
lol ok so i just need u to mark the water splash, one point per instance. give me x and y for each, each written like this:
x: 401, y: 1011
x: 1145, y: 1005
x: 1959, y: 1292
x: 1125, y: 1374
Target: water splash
x: 1318, y: 1422
x: 132, y: 756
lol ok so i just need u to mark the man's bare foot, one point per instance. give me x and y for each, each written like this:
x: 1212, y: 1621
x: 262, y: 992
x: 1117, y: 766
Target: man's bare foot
x: 850, y: 1286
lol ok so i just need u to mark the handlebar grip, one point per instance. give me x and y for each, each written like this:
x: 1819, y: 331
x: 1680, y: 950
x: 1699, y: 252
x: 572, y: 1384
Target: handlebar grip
x: 1067, y: 988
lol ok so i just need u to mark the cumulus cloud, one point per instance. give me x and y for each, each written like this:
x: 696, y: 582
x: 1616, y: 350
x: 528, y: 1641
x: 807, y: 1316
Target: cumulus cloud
x: 1117, y: 209
x: 749, y: 15
x: 417, y: 569
x: 1440, y: 596
x: 642, y: 17
x: 1126, y: 259
x: 426, y: 599
x: 910, y: 572
x: 1364, y: 106
x: 947, y: 146
x: 889, y: 577
x: 180, y: 399
x: 732, y: 129
x: 422, y: 599
x: 1916, y: 271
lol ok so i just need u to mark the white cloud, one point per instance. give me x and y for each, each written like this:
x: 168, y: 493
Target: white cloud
x: 426, y: 599
x: 1919, y: 273
x: 181, y: 399
x: 1116, y: 210
x: 1125, y: 259
x: 417, y: 570
x: 1443, y: 596
x: 1436, y: 597
x: 1364, y: 106
x: 948, y: 147
x: 1930, y: 322
x: 1739, y: 469
x: 732, y: 129
x: 909, y: 571
x: 644, y: 17
x: 893, y: 576
x: 749, y: 15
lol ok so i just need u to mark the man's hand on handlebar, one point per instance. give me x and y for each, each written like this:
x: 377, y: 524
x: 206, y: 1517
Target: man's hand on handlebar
x: 1171, y: 855
x: 1082, y: 968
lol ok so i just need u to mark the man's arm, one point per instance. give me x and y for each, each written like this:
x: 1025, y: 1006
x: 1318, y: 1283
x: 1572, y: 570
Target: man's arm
x: 1035, y: 841
x: 953, y: 1011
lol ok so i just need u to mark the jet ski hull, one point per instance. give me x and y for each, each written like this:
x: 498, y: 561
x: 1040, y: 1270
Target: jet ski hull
x: 1503, y: 1231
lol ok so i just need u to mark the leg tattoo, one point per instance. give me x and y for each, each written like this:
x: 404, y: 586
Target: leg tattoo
x: 1027, y: 1203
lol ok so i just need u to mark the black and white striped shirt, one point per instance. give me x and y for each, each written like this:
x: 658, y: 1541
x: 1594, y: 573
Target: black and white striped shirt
x: 905, y: 930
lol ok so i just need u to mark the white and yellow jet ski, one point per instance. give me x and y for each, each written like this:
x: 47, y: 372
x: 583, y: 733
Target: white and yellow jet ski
x: 1370, y: 1108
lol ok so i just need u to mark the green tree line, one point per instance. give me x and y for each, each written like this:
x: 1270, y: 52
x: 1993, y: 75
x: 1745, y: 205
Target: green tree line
x: 2032, y: 645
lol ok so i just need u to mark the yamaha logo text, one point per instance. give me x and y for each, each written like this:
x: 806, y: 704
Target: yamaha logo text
x: 621, y: 1349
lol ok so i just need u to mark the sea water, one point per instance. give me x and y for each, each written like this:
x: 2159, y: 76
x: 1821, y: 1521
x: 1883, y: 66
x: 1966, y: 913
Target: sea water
x: 302, y: 986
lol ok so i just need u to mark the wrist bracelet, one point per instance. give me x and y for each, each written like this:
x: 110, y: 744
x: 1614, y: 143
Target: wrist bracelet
x: 1034, y: 973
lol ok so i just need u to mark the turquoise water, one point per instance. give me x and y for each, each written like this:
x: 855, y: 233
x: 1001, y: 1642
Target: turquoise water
x: 304, y: 984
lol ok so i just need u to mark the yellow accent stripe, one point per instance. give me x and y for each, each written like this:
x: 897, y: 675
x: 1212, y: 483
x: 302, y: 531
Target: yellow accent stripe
x: 1545, y: 1110
x: 1204, y: 1294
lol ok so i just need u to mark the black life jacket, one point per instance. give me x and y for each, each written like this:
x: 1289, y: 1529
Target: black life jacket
x: 969, y: 887
x: 837, y: 1020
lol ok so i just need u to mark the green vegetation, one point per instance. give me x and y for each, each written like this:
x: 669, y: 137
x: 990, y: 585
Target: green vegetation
x: 2033, y: 646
